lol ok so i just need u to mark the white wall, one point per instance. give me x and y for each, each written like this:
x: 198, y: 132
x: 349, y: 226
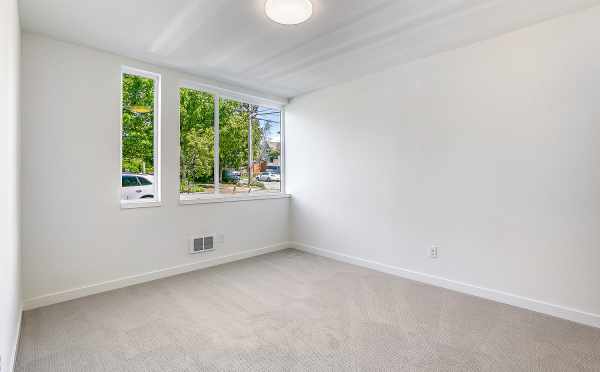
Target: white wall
x: 10, y: 265
x: 74, y: 232
x: 491, y: 152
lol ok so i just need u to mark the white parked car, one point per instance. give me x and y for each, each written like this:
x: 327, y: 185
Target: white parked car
x: 268, y: 177
x: 137, y: 186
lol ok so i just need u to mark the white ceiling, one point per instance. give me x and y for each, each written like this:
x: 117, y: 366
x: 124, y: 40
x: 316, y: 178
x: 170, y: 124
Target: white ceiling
x: 233, y: 41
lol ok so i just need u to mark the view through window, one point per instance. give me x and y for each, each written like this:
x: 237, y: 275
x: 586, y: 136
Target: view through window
x: 197, y: 141
x: 249, y: 159
x: 249, y: 146
x: 138, y: 141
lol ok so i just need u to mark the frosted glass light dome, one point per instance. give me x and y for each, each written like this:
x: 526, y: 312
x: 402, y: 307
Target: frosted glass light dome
x: 289, y: 12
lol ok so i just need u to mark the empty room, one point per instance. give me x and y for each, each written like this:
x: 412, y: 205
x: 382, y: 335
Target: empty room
x: 299, y: 185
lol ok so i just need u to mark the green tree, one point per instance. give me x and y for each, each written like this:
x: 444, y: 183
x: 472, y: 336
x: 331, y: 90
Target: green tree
x: 196, y: 133
x: 235, y: 118
x: 273, y: 154
x: 196, y: 138
x: 138, y: 124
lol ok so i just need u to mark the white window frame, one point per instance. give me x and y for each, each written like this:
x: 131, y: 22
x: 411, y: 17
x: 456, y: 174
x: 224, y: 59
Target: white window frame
x: 218, y: 93
x: 157, y: 200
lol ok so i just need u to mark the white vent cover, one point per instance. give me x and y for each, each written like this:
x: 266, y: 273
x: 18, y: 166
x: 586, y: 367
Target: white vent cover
x: 209, y: 243
x: 203, y: 244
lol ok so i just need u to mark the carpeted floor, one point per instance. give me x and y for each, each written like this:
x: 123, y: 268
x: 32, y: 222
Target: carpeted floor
x: 291, y: 311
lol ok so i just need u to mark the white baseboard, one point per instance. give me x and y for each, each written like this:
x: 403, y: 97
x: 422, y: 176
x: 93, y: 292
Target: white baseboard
x: 558, y: 311
x: 71, y: 294
x: 13, y: 361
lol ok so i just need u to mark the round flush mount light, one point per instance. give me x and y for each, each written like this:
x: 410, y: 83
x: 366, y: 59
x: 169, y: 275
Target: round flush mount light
x: 289, y: 12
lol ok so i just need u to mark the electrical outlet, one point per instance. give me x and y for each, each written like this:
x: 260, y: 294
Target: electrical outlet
x: 433, y: 251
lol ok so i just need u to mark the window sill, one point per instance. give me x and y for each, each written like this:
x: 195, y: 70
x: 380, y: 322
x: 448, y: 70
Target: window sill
x: 213, y: 199
x: 132, y: 204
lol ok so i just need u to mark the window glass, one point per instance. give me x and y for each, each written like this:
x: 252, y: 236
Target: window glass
x: 268, y: 161
x: 250, y: 160
x: 139, y: 124
x: 234, y: 121
x: 248, y: 139
x: 197, y: 141
x: 128, y: 181
x: 144, y: 181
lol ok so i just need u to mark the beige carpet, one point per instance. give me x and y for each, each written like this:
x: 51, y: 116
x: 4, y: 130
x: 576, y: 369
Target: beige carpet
x: 291, y: 311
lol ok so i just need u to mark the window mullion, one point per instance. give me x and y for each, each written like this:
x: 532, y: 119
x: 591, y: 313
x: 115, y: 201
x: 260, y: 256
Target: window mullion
x: 282, y: 170
x: 217, y: 171
x: 250, y: 152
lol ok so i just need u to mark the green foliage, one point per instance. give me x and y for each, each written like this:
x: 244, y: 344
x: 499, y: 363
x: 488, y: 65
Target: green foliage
x: 273, y: 154
x: 196, y: 133
x: 234, y: 120
x: 138, y: 127
x: 191, y: 188
x: 196, y: 139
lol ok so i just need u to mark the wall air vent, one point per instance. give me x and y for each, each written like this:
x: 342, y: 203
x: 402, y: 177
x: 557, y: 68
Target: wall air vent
x: 203, y: 244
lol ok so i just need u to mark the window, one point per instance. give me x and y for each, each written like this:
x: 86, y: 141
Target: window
x: 197, y: 142
x: 227, y: 146
x: 140, y: 116
x: 250, y: 147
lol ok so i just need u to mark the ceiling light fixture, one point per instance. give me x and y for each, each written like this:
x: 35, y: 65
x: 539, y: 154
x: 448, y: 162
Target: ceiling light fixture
x: 289, y: 12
